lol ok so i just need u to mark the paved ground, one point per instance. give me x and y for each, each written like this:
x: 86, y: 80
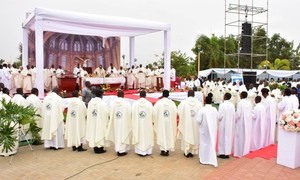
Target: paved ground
x: 66, y: 164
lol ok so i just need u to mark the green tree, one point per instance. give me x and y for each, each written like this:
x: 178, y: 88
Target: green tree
x: 181, y: 62
x: 279, y: 48
x: 278, y: 64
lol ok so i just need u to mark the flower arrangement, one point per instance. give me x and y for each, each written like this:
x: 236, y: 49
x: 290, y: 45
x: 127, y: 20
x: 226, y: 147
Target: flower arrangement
x: 290, y: 120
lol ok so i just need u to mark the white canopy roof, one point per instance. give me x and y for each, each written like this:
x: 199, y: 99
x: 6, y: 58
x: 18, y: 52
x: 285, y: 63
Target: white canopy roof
x: 88, y: 24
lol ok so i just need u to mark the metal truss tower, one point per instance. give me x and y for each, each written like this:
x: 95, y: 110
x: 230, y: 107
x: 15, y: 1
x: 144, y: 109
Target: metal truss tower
x: 237, y: 13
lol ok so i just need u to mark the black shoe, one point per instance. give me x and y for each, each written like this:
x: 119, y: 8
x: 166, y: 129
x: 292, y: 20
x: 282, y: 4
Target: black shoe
x: 141, y: 155
x: 164, y: 153
x: 226, y: 156
x: 122, y: 154
x: 74, y: 148
x: 99, y: 150
x: 222, y: 156
x: 186, y: 155
x: 81, y: 149
x: 190, y: 155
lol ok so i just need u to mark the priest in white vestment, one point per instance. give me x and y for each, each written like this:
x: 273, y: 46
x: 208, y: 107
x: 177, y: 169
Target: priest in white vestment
x: 100, y: 72
x: 188, y: 126
x: 52, y: 114
x: 286, y: 103
x: 165, y: 125
x: 207, y: 119
x: 97, y: 122
x: 34, y: 101
x: 258, y: 125
x: 76, y: 123
x: 27, y: 79
x: 142, y: 127
x: 18, y: 98
x: 140, y: 76
x: 119, y: 127
x: 226, y: 116
x: 270, y: 121
x: 243, y: 126
x: 131, y: 79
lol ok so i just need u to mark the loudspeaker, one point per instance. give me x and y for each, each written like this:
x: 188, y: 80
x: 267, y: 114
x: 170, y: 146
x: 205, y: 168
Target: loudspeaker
x: 249, y: 77
x: 246, y: 38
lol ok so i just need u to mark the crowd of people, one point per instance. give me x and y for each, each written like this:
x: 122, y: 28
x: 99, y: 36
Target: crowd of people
x: 137, y: 76
x: 246, y: 119
x: 14, y: 77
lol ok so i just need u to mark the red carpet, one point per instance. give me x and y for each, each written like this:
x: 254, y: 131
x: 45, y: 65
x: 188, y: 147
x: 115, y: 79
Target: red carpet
x: 268, y: 152
x: 136, y: 97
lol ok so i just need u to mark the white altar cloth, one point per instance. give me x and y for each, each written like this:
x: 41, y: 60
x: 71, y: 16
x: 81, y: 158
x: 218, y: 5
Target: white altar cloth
x: 288, y: 153
x: 107, y: 80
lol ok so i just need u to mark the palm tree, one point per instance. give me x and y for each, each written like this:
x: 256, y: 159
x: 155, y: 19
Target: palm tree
x: 279, y: 64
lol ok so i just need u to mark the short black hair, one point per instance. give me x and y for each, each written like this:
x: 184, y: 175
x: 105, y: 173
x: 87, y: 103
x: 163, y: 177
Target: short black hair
x: 257, y: 99
x: 191, y: 93
x: 208, y: 100
x: 287, y: 92
x: 142, y: 94
x: 166, y: 93
x: 227, y: 96
x: 244, y: 94
x: 120, y: 93
x: 34, y: 91
x: 265, y: 91
x: 98, y: 92
x: 19, y: 91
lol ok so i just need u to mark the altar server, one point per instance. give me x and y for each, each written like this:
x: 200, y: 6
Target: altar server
x: 188, y: 126
x: 226, y: 116
x: 34, y: 101
x: 52, y: 114
x: 27, y: 79
x: 119, y: 127
x: 18, y: 98
x: 142, y: 127
x: 164, y: 115
x: 207, y: 119
x: 76, y: 123
x: 97, y: 122
x: 258, y: 125
x: 243, y: 120
x: 270, y: 121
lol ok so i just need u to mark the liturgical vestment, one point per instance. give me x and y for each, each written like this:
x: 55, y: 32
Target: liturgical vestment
x: 258, y: 127
x: 243, y: 127
x: 207, y: 119
x: 188, y: 126
x: 119, y: 127
x: 164, y: 116
x: 52, y: 114
x: 76, y: 123
x: 226, y: 117
x: 97, y: 122
x: 142, y: 127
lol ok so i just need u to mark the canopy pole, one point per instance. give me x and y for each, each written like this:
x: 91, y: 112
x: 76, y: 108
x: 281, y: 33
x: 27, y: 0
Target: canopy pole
x: 39, y: 58
x: 131, y: 50
x: 167, y: 59
x: 25, y: 48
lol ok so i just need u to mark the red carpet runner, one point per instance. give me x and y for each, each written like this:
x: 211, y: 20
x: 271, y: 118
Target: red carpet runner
x: 268, y: 152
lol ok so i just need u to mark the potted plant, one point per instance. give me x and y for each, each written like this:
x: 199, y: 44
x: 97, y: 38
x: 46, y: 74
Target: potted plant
x: 12, y: 117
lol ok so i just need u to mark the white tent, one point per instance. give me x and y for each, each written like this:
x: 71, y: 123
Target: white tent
x: 223, y: 71
x: 87, y: 24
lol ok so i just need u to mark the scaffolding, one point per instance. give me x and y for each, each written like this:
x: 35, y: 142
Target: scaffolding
x: 238, y: 12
